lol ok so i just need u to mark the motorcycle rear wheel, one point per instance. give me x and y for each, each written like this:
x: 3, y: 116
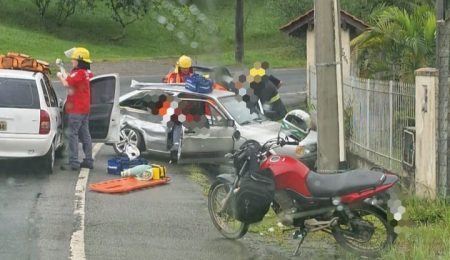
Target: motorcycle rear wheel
x: 381, y: 232
x: 228, y: 226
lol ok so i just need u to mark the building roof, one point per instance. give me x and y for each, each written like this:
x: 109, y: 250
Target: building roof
x: 299, y: 25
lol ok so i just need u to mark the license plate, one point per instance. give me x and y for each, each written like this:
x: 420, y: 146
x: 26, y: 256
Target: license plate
x: 300, y: 150
x: 2, y: 126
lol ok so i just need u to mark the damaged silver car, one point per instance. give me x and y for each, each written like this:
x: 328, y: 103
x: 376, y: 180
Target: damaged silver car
x: 151, y: 113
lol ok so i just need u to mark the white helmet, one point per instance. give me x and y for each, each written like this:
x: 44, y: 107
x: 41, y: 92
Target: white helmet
x: 132, y: 151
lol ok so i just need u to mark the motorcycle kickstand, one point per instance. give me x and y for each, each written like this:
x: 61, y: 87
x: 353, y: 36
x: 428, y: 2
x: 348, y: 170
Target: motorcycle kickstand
x: 302, y: 235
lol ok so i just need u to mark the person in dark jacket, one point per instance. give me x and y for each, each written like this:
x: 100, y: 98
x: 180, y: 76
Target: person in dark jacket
x: 267, y: 93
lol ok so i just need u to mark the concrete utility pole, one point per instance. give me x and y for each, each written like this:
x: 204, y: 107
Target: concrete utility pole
x: 239, y: 31
x: 442, y: 57
x: 327, y: 95
x: 339, y: 78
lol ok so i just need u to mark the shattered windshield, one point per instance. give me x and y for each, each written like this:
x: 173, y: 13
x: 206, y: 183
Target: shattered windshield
x: 239, y: 110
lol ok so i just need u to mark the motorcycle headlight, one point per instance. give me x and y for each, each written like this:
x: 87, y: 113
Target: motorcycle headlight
x: 306, y: 149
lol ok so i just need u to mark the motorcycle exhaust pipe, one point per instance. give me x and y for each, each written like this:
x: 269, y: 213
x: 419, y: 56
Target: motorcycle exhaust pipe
x: 287, y: 219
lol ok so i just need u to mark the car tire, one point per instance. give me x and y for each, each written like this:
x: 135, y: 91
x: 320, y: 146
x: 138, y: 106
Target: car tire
x: 129, y: 135
x: 59, y: 153
x: 47, y: 162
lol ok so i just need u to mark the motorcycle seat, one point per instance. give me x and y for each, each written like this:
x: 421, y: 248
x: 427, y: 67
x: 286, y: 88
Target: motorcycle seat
x: 330, y: 185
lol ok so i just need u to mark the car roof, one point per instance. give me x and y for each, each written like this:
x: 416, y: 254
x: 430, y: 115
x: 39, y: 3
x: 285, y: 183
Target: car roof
x: 180, y: 88
x: 21, y: 74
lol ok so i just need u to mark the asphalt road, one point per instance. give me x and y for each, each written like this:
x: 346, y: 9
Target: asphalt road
x: 39, y: 213
x: 165, y: 222
x: 36, y: 211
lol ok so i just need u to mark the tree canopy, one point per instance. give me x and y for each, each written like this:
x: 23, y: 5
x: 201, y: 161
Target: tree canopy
x: 397, y: 43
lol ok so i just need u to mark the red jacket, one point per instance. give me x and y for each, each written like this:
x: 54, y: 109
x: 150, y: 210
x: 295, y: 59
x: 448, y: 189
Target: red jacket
x: 79, y: 96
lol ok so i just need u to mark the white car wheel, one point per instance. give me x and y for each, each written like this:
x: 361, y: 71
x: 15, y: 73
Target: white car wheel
x: 128, y: 136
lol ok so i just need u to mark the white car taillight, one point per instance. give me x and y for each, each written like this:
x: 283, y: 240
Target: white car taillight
x: 44, y: 123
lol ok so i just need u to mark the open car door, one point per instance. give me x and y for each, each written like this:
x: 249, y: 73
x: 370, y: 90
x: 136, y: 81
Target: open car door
x: 207, y: 134
x: 104, y: 120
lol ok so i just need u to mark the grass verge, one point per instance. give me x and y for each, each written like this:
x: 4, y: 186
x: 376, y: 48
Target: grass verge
x: 22, y: 30
x: 424, y: 231
x: 196, y: 175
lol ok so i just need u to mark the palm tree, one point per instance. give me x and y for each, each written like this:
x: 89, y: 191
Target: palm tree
x: 397, y: 43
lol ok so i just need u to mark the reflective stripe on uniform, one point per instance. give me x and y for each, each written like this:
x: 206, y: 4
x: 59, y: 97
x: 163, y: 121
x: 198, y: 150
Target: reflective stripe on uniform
x: 274, y: 98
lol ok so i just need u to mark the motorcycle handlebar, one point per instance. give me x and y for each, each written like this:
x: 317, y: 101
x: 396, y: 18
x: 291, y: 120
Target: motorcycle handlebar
x: 283, y: 142
x: 240, y: 154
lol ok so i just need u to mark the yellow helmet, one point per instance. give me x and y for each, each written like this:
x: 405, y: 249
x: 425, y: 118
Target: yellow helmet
x: 79, y: 53
x: 257, y: 72
x: 184, y: 62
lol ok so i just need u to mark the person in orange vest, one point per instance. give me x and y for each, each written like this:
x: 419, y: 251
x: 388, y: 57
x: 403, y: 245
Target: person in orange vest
x: 183, y: 69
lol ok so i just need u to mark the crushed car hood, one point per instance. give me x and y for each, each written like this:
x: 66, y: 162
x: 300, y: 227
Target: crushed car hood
x: 310, y: 139
x: 260, y: 132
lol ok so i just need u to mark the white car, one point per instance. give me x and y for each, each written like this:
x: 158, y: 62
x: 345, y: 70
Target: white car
x: 209, y: 122
x: 31, y: 117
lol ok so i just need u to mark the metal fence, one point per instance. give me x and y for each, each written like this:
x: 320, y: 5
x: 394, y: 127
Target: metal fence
x: 376, y: 112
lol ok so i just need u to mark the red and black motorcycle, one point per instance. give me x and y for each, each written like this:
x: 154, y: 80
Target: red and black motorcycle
x: 350, y: 206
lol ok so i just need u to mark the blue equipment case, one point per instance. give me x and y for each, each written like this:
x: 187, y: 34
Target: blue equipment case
x: 119, y: 163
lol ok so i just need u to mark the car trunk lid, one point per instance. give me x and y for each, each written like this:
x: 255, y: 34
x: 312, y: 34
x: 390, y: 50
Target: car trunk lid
x: 19, y: 106
x: 19, y: 121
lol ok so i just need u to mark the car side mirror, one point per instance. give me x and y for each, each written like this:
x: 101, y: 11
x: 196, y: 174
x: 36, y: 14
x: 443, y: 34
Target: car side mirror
x: 231, y: 123
x: 236, y: 135
x: 60, y: 103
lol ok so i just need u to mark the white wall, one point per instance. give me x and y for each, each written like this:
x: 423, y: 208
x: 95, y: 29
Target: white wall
x: 345, y: 48
x: 426, y: 131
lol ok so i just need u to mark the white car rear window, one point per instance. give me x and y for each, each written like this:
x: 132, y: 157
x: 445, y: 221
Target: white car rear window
x: 18, y: 93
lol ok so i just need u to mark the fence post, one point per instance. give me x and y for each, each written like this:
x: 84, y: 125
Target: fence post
x: 391, y: 119
x: 426, y: 149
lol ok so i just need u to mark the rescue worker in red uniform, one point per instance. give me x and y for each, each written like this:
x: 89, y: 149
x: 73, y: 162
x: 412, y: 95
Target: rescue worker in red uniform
x: 77, y: 108
x: 183, y: 69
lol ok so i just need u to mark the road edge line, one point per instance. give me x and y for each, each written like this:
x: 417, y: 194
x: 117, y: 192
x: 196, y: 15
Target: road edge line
x: 77, y: 248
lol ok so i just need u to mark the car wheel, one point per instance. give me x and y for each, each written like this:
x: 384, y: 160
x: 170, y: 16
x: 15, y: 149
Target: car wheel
x: 130, y: 136
x: 59, y: 153
x: 48, y: 160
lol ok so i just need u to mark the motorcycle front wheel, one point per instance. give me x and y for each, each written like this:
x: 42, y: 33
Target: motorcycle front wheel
x: 228, y: 226
x: 367, y: 234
